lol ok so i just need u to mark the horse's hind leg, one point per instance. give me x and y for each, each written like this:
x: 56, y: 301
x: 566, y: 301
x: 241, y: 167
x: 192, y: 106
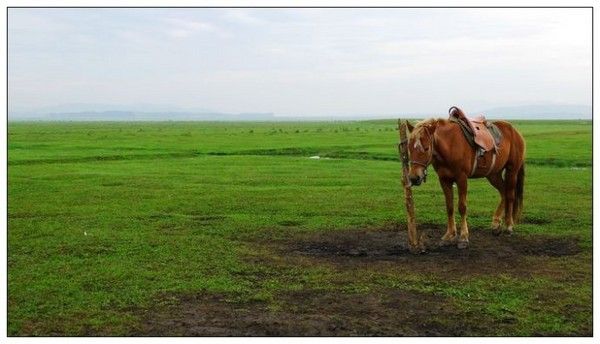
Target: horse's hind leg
x: 450, y: 236
x: 498, y: 183
x: 463, y: 240
x: 510, y: 186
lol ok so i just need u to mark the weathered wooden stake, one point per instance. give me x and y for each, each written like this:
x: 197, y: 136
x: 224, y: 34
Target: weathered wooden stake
x: 414, y: 243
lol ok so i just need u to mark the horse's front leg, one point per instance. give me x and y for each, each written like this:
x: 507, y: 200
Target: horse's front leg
x: 450, y: 236
x: 463, y: 240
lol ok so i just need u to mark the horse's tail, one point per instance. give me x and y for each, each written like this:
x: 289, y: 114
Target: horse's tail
x: 518, y: 205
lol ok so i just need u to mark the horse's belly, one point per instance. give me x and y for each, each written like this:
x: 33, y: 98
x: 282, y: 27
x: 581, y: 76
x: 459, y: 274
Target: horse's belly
x: 487, y: 164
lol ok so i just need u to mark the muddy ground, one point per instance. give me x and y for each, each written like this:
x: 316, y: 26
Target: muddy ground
x: 487, y: 253
x: 382, y: 311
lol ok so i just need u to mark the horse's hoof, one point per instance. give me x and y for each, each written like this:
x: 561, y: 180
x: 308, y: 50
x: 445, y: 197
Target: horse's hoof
x: 509, y: 231
x: 496, y: 229
x: 416, y: 250
x: 447, y: 242
x: 463, y: 244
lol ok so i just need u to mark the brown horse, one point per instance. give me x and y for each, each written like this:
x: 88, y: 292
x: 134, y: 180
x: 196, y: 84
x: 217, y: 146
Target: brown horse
x: 441, y: 143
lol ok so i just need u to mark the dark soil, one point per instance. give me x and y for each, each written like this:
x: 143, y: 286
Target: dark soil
x: 381, y: 311
x: 391, y: 243
x: 487, y: 253
x: 312, y: 313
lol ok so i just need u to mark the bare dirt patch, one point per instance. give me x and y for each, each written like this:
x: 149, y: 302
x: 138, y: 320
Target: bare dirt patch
x: 487, y: 254
x: 378, y: 311
x: 311, y: 313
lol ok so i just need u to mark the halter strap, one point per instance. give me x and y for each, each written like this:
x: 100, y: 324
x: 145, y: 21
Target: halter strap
x: 420, y: 163
x: 425, y: 164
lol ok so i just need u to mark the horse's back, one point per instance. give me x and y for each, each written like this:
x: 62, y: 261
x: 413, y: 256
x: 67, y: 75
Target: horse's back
x: 509, y: 131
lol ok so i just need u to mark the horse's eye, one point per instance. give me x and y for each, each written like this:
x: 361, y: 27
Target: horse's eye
x: 426, y: 149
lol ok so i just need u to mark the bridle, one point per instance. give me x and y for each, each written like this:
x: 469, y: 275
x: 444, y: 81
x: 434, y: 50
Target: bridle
x: 425, y: 164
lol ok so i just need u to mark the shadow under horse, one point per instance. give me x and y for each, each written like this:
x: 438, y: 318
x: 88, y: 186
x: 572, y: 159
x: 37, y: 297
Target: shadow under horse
x: 454, y: 150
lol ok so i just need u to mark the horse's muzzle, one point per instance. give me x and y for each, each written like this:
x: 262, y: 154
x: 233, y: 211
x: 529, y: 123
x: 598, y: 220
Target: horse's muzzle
x: 416, y: 180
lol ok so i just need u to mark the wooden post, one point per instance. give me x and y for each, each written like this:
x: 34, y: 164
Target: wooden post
x: 414, y: 243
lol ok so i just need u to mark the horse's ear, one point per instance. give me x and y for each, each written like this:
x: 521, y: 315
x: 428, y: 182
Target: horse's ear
x: 430, y: 128
x: 409, y: 126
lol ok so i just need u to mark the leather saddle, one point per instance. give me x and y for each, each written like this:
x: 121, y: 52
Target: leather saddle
x: 480, y: 132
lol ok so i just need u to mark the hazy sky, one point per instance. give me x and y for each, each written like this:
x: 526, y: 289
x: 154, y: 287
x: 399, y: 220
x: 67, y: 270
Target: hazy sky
x: 300, y: 61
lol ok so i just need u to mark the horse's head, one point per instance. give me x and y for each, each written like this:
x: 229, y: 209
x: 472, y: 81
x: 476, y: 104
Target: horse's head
x: 420, y: 150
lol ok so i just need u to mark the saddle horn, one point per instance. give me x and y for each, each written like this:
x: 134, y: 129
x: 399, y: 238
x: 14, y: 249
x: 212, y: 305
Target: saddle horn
x: 453, y: 109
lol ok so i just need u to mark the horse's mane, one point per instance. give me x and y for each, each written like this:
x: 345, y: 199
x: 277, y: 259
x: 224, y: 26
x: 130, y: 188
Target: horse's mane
x: 423, y: 125
x: 432, y: 123
x: 426, y: 125
x: 426, y: 122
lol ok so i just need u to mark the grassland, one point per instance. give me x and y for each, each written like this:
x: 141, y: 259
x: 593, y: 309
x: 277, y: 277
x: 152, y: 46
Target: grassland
x: 112, y: 225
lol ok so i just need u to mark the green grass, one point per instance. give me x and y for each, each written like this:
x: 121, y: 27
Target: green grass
x: 105, y: 216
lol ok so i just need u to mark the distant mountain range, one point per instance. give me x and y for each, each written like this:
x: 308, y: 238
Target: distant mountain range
x: 540, y: 112
x: 105, y: 107
x: 140, y: 116
x: 149, y: 112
